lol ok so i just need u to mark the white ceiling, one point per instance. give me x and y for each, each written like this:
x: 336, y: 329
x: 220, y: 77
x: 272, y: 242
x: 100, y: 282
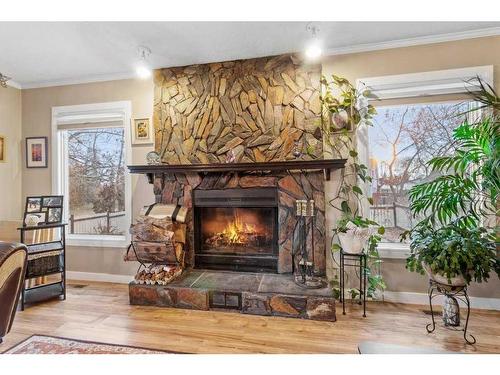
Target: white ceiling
x: 38, y: 54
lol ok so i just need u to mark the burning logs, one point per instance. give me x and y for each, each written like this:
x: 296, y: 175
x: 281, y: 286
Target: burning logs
x: 161, y: 275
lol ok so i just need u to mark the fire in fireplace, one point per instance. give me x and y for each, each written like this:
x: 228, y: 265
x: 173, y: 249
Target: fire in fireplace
x: 236, y: 229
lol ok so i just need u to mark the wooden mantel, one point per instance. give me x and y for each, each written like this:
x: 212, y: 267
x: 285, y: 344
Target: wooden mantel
x: 325, y: 164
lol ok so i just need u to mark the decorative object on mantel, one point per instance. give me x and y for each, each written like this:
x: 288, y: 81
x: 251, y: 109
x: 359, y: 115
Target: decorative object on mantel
x: 345, y: 111
x: 36, y: 152
x: 153, y: 158
x: 303, y: 260
x: 3, y: 80
x: 327, y: 165
x: 142, y: 131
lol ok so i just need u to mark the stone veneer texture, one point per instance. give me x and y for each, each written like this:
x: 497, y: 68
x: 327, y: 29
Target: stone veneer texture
x: 258, y: 108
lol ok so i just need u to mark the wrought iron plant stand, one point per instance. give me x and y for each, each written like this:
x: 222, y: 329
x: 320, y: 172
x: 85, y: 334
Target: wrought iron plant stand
x: 455, y: 292
x: 353, y: 260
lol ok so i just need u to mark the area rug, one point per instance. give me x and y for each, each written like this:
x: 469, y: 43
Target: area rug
x: 38, y: 344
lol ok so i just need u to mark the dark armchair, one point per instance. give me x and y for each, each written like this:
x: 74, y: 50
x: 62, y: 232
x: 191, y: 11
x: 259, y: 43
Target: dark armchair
x: 12, y: 271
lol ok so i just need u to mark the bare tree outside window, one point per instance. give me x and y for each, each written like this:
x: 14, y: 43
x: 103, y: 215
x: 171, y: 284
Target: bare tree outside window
x: 96, y: 180
x: 401, y: 142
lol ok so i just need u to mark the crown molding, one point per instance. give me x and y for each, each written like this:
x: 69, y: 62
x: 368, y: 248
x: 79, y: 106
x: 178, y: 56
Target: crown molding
x: 82, y: 80
x: 492, y: 31
x: 409, y: 42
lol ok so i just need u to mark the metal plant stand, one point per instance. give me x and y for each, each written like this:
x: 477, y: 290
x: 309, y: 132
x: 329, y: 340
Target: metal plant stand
x: 458, y: 292
x: 358, y: 261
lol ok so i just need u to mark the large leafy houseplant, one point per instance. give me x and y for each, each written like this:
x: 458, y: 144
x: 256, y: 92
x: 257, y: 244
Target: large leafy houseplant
x: 346, y: 109
x: 453, y: 237
x: 453, y: 254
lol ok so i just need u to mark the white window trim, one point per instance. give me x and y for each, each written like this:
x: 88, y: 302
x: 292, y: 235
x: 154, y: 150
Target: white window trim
x: 64, y: 114
x: 424, y: 84
x: 437, y: 82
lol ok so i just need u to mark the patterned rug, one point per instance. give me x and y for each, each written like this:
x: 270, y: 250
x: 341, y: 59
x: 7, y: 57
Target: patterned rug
x: 38, y: 344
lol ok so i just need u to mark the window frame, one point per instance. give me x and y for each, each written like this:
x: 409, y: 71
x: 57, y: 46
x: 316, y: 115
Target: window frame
x: 77, y: 113
x: 409, y: 86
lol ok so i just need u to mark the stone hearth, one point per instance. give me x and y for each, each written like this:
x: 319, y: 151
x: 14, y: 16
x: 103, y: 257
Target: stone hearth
x: 253, y: 293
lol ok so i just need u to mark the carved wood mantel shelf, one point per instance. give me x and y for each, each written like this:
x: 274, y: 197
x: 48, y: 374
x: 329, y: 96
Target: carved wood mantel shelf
x: 327, y: 165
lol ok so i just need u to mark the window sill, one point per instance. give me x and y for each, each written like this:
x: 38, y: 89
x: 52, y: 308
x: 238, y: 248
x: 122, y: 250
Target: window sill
x: 97, y: 241
x: 393, y: 251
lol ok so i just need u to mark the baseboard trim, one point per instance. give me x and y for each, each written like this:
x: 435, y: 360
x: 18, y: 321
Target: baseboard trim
x: 101, y: 277
x: 423, y: 299
x: 397, y: 297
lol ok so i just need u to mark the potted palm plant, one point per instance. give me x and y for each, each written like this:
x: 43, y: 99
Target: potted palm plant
x: 455, y: 240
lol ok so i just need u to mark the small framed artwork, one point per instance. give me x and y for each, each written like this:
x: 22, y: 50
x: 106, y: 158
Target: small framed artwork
x: 3, y: 151
x: 54, y: 215
x: 36, y: 152
x: 46, y: 209
x: 142, y: 131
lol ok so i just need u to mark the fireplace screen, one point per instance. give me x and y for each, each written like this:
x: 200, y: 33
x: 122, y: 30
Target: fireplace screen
x: 237, y: 230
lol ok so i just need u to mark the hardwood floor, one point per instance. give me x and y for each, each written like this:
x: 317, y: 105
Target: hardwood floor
x: 100, y: 312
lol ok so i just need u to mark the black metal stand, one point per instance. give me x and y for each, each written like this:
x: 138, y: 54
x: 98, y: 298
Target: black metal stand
x: 458, y: 292
x: 45, y: 248
x: 358, y: 261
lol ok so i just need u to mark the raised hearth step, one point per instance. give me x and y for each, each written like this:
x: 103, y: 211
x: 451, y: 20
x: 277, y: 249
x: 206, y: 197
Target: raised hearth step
x: 255, y: 293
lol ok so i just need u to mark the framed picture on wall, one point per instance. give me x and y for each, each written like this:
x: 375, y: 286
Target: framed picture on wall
x: 142, y: 131
x: 3, y: 151
x: 36, y: 152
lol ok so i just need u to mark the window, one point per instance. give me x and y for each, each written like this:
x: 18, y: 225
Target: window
x: 404, y: 137
x: 400, y: 143
x: 90, y: 171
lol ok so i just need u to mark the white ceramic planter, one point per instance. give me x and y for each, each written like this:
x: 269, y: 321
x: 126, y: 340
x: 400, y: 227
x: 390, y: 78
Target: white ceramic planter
x: 442, y: 279
x: 354, y: 240
x: 351, y: 243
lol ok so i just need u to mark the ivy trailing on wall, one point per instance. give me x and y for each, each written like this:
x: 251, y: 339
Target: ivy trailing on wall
x: 345, y: 111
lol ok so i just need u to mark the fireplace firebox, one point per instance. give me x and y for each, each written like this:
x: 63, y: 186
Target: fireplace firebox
x: 236, y: 229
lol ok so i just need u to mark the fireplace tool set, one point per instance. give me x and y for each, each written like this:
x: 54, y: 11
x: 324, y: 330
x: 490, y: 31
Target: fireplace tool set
x: 303, y: 261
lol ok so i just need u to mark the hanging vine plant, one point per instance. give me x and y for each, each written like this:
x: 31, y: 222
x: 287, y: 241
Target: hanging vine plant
x: 345, y: 111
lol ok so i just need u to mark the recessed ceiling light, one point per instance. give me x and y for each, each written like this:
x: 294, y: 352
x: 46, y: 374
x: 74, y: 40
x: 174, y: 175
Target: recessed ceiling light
x: 143, y: 69
x: 313, y: 49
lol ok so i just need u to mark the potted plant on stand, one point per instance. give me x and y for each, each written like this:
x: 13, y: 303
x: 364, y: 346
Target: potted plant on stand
x: 345, y: 111
x: 454, y: 242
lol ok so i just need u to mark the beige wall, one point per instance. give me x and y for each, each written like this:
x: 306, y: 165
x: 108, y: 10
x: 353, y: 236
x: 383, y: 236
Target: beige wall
x: 449, y: 55
x: 36, y: 117
x: 10, y: 170
x: 37, y: 112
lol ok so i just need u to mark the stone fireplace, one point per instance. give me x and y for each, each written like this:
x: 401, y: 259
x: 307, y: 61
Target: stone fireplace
x: 241, y: 142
